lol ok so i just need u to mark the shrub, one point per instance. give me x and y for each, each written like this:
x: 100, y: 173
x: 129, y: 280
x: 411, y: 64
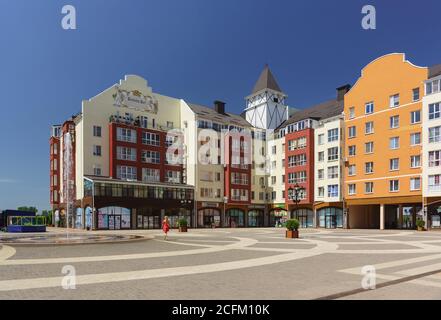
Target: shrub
x: 182, y: 222
x: 292, y: 224
x: 420, y: 223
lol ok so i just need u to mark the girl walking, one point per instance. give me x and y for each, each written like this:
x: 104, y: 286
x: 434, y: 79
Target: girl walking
x: 165, y: 226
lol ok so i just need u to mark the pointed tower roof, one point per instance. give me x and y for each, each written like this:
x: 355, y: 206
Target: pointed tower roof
x: 266, y: 81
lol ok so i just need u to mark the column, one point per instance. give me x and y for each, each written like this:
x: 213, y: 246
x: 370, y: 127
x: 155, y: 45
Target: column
x: 314, y: 223
x: 400, y: 216
x: 381, y: 216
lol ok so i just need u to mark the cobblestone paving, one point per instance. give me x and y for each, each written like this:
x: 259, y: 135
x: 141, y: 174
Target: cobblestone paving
x: 228, y: 264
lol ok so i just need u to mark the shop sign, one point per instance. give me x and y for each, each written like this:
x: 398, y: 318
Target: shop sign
x: 210, y: 204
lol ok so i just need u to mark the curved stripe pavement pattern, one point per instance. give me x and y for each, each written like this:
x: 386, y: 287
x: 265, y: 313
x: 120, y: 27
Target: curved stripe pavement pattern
x: 228, y: 264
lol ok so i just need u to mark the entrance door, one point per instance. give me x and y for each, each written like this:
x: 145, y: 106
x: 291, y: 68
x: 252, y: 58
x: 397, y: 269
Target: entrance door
x: 331, y: 221
x: 117, y: 222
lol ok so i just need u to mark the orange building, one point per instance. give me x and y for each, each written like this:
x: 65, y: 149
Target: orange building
x: 383, y: 113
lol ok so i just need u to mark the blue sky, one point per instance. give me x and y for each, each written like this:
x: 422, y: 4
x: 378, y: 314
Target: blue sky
x: 199, y: 50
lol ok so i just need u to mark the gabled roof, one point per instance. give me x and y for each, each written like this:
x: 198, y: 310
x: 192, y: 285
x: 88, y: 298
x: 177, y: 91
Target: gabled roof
x: 434, y: 71
x: 324, y: 110
x: 212, y: 115
x: 266, y: 81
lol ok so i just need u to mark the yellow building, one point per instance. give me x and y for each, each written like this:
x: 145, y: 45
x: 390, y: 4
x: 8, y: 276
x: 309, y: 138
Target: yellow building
x: 383, y: 144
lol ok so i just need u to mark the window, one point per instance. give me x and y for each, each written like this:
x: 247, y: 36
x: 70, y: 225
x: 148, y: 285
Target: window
x: 394, y: 143
x: 351, y: 189
x: 434, y: 158
x: 273, y: 164
x: 351, y: 150
x: 394, y: 101
x: 352, y: 132
x: 320, y: 174
x: 296, y: 144
x: 394, y: 122
x: 369, y: 127
x: 394, y: 164
x: 126, y: 135
x: 435, y: 134
x: 169, y: 124
x: 333, y: 172
x: 172, y: 176
x: 332, y: 135
x: 150, y: 175
x: 273, y: 180
x: 415, y: 117
x: 124, y: 153
x: 126, y: 173
x: 435, y: 182
x: 415, y: 138
x: 297, y: 160
x: 283, y: 163
x: 369, y: 147
x: 352, y: 170
x: 96, y: 131
x: 321, y: 139
x: 369, y: 167
x: 368, y: 187
x: 416, y: 94
x: 217, y: 176
x: 321, y: 192
x: 415, y: 184
x: 415, y: 161
x: 97, y: 151
x: 97, y: 170
x: 394, y: 185
x: 151, y: 139
x: 296, y: 177
x: 144, y: 122
x: 321, y: 156
x: 333, y: 154
x: 434, y: 111
x: 239, y: 194
x: 369, y: 108
x: 150, y: 156
x: 433, y: 86
x: 351, y: 113
x: 283, y: 179
x: 333, y: 191
x: 274, y: 149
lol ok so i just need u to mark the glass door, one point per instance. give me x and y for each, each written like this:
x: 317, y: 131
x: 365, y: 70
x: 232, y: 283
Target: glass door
x: 117, y: 223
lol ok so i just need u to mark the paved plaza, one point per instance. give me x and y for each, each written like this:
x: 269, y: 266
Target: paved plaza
x: 227, y: 264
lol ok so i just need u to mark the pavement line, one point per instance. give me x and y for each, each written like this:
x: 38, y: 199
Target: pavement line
x: 395, y: 263
x: 6, y: 252
x: 51, y: 282
x: 413, y: 278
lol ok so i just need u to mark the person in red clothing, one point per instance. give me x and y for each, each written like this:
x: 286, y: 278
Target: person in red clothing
x: 165, y: 226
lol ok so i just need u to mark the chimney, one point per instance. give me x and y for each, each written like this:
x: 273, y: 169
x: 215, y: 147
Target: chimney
x: 219, y: 107
x: 342, y: 91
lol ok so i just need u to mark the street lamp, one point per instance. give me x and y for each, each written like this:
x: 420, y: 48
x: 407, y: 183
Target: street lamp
x: 294, y: 195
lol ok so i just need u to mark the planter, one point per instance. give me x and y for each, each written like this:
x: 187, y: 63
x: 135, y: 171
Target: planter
x: 420, y: 228
x: 292, y: 234
x: 183, y: 229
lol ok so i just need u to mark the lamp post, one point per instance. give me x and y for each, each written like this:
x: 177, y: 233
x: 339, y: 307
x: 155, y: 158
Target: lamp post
x: 294, y: 195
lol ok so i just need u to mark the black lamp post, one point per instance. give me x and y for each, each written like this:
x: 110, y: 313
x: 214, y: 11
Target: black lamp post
x: 294, y: 194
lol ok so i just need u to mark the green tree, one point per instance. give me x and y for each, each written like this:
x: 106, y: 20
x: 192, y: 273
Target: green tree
x: 28, y: 209
x: 48, y: 215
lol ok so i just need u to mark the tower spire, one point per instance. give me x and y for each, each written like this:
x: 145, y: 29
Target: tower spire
x: 266, y: 81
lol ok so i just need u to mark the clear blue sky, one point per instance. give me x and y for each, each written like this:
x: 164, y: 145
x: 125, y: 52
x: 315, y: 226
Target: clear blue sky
x: 199, y: 50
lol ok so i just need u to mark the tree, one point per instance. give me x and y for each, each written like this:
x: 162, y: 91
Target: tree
x: 28, y: 209
x: 48, y: 215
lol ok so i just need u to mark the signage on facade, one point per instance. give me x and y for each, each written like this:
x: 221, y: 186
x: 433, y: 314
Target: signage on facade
x: 210, y: 204
x: 135, y: 100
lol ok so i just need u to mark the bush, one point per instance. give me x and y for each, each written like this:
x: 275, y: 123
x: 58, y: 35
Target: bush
x: 292, y: 224
x: 182, y: 222
x: 420, y: 223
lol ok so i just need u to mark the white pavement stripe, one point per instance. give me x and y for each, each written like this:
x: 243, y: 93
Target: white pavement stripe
x: 51, y: 282
x: 421, y: 270
x: 243, y: 242
x: 6, y: 252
